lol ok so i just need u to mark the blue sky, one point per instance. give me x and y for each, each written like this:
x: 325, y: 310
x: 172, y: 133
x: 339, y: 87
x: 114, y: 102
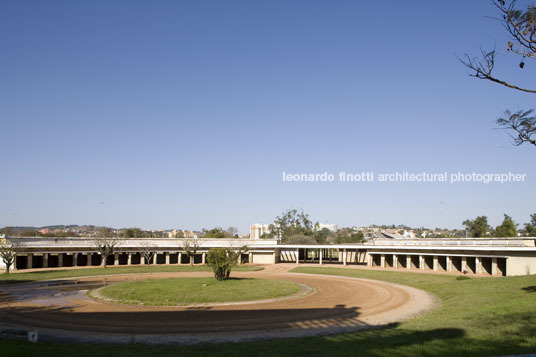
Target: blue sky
x: 168, y: 114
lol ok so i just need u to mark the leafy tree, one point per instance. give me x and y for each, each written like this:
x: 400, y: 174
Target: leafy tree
x: 321, y: 235
x: 300, y: 239
x: 521, y: 27
x: 530, y: 228
x: 106, y: 244
x: 8, y: 251
x: 292, y: 222
x: 507, y: 228
x: 216, y: 232
x: 222, y: 260
x: 133, y: 233
x: 349, y: 235
x: 478, y: 227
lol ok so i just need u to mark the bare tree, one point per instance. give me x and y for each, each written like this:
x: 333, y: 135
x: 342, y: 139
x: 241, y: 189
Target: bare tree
x: 522, y: 124
x: 8, y: 251
x: 147, y: 251
x: 190, y: 247
x: 521, y: 27
x: 106, y: 244
x: 235, y: 253
x: 232, y: 232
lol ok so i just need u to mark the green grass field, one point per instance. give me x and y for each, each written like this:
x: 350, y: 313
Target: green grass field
x: 477, y: 317
x: 186, y: 291
x: 72, y: 273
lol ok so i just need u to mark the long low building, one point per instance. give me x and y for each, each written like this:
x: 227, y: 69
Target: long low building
x: 492, y: 256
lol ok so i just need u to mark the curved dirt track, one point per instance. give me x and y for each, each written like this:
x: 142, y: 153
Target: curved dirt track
x: 61, y: 310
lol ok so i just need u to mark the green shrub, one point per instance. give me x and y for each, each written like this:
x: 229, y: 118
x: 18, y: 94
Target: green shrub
x: 222, y: 260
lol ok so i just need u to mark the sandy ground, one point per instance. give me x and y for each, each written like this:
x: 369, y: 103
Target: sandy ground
x: 62, y: 311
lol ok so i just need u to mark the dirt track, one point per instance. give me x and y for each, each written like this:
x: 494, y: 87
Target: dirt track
x: 60, y: 309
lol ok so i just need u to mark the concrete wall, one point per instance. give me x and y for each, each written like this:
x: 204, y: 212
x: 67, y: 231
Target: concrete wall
x: 520, y: 265
x: 263, y: 258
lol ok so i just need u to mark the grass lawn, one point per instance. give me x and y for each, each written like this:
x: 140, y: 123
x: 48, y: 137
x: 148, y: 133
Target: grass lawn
x: 185, y: 291
x: 477, y: 317
x: 72, y: 273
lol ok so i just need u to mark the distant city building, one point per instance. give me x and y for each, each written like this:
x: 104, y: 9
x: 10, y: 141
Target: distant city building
x: 44, y: 231
x: 256, y: 230
x: 181, y: 234
x: 409, y: 234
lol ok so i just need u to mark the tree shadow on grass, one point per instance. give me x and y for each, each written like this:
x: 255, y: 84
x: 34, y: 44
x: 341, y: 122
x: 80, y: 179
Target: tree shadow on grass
x: 5, y: 297
x: 18, y: 278
x: 387, y: 341
x: 530, y: 289
x: 15, y: 281
x: 187, y: 320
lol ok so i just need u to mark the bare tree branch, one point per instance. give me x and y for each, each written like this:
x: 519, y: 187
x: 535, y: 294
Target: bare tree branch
x: 147, y: 251
x: 521, y: 26
x: 190, y: 247
x: 106, y: 244
x: 522, y: 123
x: 483, y: 69
x: 8, y: 251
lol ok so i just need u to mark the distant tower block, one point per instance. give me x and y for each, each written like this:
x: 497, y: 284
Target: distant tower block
x: 257, y: 230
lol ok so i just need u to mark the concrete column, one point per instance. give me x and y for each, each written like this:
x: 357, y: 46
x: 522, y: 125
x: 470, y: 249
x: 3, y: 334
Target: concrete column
x: 298, y: 256
x: 421, y: 262
x: 129, y: 258
x: 464, y: 263
x: 88, y: 259
x: 369, y: 260
x: 167, y: 257
x: 344, y: 256
x: 29, y: 261
x: 45, y: 260
x: 449, y: 263
x: 395, y: 261
x: 382, y: 260
x: 493, y: 266
x: 203, y: 258
x: 155, y: 258
x: 75, y: 259
x: 60, y: 260
x: 408, y: 261
x: 436, y: 263
x: 478, y: 265
x: 250, y: 258
x: 320, y: 256
x: 116, y: 259
x: 180, y: 258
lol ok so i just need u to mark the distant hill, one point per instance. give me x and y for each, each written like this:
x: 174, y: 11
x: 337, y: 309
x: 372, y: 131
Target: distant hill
x: 62, y: 227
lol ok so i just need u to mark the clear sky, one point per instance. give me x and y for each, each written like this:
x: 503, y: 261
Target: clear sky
x: 184, y: 114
